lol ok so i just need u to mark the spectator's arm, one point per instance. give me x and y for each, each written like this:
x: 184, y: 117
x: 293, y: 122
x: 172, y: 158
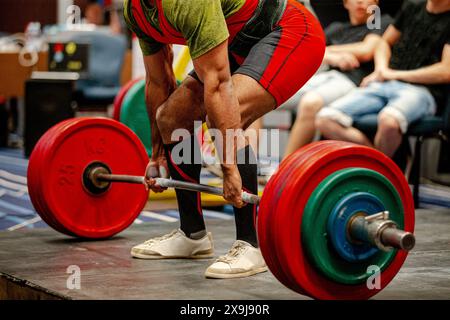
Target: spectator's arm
x: 382, y: 56
x: 363, y: 50
x: 383, y: 50
x: 160, y: 83
x: 434, y: 74
x: 114, y: 24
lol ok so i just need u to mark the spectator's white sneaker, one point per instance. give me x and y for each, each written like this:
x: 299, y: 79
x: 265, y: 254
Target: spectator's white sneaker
x: 243, y: 260
x: 175, y: 245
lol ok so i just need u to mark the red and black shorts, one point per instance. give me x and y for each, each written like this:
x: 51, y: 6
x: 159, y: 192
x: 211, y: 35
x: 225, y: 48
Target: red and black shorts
x: 286, y: 58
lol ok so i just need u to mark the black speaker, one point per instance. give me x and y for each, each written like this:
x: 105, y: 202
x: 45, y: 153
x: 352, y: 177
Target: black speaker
x: 444, y: 157
x: 47, y: 102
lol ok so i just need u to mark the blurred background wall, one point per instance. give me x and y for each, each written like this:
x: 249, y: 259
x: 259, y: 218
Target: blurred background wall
x: 14, y: 17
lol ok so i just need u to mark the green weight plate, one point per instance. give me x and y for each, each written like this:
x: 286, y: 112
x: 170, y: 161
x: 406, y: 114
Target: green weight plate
x: 120, y: 96
x: 134, y: 114
x: 316, y: 213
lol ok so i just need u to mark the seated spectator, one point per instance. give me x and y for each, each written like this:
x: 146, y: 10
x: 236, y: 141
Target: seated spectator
x: 95, y: 14
x: 412, y: 64
x: 349, y: 53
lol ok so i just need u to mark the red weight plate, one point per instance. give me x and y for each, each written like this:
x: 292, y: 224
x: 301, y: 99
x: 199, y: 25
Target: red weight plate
x: 280, y: 184
x: 267, y: 214
x: 33, y: 185
x: 41, y: 177
x: 281, y: 180
x: 134, y: 194
x: 284, y: 176
x: 121, y: 96
x: 264, y: 220
x: 71, y: 150
x: 36, y: 171
x: 358, y: 296
x: 33, y: 173
x: 304, y: 180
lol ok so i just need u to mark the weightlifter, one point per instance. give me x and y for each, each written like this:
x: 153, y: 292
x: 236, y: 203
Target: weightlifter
x: 249, y: 57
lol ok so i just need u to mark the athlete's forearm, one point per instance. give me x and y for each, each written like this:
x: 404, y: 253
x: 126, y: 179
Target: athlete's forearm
x: 160, y: 83
x: 220, y: 100
x: 155, y: 95
x: 222, y: 107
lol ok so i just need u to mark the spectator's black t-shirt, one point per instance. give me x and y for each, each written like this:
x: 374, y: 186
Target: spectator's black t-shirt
x: 344, y: 33
x: 424, y: 36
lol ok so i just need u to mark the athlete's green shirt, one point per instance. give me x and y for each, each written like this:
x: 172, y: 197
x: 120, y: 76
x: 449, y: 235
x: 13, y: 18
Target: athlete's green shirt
x: 201, y: 22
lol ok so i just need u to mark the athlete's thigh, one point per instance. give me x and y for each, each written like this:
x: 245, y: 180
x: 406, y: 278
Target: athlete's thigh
x: 254, y: 100
x: 280, y: 63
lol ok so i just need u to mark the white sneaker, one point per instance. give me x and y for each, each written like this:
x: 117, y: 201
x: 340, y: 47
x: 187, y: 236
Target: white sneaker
x: 175, y: 245
x: 243, y: 260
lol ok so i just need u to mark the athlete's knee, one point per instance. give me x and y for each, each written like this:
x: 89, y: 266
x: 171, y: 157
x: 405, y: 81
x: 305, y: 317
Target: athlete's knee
x: 165, y: 119
x: 162, y: 116
x: 248, y: 115
x: 246, y: 122
x: 253, y: 110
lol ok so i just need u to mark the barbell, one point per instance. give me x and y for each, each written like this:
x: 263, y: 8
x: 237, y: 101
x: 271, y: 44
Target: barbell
x: 333, y: 216
x: 376, y: 229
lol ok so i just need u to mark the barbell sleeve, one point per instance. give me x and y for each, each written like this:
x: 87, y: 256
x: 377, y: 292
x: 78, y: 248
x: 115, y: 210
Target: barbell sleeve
x: 176, y: 184
x: 119, y: 178
x: 381, y: 232
x: 398, y: 239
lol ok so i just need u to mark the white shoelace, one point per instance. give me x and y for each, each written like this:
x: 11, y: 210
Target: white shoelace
x: 233, y: 254
x: 159, y: 239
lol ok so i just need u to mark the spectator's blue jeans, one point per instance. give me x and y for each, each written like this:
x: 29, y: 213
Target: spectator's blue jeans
x: 403, y: 101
